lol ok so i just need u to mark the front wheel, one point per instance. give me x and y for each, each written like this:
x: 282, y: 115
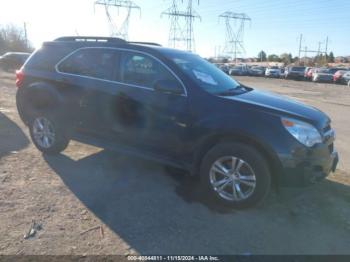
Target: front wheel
x: 48, y: 135
x: 235, y: 174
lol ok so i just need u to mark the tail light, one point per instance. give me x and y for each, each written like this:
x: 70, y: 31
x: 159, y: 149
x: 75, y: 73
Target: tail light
x: 19, y: 78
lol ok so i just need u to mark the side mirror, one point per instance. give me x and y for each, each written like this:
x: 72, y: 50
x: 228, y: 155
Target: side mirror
x: 168, y: 87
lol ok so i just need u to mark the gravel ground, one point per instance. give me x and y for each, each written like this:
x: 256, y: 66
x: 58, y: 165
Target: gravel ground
x: 92, y: 201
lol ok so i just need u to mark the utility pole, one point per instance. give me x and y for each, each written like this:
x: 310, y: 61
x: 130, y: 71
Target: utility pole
x: 181, y: 30
x: 319, y: 51
x: 300, y: 42
x: 25, y: 34
x: 123, y: 29
x: 326, y: 56
x: 234, y: 39
x: 319, y: 48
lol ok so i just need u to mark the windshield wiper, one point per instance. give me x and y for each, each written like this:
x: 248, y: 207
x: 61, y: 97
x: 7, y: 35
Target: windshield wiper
x: 232, y: 91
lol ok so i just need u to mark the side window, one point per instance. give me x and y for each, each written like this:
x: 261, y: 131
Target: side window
x: 142, y: 70
x: 94, y: 62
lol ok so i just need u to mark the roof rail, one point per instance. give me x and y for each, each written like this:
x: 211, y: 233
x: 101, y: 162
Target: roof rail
x: 90, y: 39
x: 144, y: 43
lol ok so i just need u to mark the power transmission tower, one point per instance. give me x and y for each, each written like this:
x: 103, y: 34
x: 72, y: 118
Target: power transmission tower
x: 123, y: 29
x: 234, y: 39
x: 181, y: 34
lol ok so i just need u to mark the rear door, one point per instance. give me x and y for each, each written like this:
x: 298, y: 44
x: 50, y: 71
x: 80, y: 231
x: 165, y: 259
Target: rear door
x: 89, y: 74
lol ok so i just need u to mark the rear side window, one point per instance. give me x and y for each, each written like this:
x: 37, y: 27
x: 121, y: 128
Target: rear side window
x: 142, y: 70
x: 47, y: 57
x: 98, y: 63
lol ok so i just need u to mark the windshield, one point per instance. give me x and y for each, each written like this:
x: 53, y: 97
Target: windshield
x: 206, y: 75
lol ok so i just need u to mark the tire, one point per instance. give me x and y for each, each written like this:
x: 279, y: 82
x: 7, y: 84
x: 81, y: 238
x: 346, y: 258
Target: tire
x: 253, y: 161
x: 57, y: 138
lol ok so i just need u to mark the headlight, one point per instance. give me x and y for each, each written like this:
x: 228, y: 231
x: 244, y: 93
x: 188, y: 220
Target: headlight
x: 303, y: 132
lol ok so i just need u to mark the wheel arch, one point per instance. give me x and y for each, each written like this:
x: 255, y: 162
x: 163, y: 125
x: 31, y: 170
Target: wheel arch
x: 272, y: 160
x: 35, y: 97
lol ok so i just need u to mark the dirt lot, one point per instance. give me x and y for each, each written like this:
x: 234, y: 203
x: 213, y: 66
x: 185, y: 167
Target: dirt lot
x: 145, y: 209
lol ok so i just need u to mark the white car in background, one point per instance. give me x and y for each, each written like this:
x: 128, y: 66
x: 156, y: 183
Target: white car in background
x: 273, y: 71
x: 346, y: 78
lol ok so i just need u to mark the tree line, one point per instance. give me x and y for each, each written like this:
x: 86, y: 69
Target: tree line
x: 13, y: 39
x: 288, y: 58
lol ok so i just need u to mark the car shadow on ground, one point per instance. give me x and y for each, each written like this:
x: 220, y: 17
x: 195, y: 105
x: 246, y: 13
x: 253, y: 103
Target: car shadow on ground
x: 159, y: 213
x: 11, y: 136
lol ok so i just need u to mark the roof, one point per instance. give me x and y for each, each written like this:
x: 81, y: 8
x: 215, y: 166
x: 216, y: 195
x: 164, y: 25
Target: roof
x: 16, y: 53
x: 96, y: 41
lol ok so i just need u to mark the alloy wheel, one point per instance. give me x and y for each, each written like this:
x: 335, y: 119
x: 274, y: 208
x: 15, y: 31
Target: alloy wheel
x: 43, y: 132
x: 232, y: 178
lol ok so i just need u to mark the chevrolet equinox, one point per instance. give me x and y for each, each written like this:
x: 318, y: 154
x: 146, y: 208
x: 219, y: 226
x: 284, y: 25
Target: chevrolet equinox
x: 175, y: 108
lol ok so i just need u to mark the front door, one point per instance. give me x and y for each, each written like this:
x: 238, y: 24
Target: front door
x: 150, y: 119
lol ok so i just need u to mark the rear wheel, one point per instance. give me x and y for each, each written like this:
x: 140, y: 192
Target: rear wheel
x: 235, y: 174
x: 48, y: 135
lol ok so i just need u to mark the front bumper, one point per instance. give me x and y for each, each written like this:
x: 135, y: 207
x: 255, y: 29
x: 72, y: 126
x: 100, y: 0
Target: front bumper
x: 308, y: 166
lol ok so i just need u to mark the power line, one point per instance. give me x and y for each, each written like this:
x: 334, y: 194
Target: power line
x: 318, y: 52
x: 123, y: 29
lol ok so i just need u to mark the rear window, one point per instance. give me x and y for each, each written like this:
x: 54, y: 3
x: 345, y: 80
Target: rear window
x: 98, y: 63
x: 333, y: 70
x: 47, y: 57
x: 298, y: 68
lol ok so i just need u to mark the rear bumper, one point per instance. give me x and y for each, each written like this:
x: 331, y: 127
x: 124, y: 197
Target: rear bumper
x: 294, y: 76
x: 308, y: 167
x: 275, y: 75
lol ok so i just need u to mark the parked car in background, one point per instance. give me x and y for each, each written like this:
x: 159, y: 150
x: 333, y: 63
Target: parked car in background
x: 309, y: 73
x: 338, y: 76
x: 257, y: 71
x: 273, y: 71
x: 239, y: 70
x: 307, y: 70
x: 225, y: 69
x: 333, y: 70
x: 295, y: 72
x: 323, y: 75
x: 346, y: 78
x: 13, y: 60
x: 282, y: 71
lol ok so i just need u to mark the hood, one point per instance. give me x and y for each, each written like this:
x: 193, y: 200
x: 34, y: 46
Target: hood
x: 281, y: 105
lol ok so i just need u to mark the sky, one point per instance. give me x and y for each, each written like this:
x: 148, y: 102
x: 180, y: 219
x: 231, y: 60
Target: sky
x: 275, y: 27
